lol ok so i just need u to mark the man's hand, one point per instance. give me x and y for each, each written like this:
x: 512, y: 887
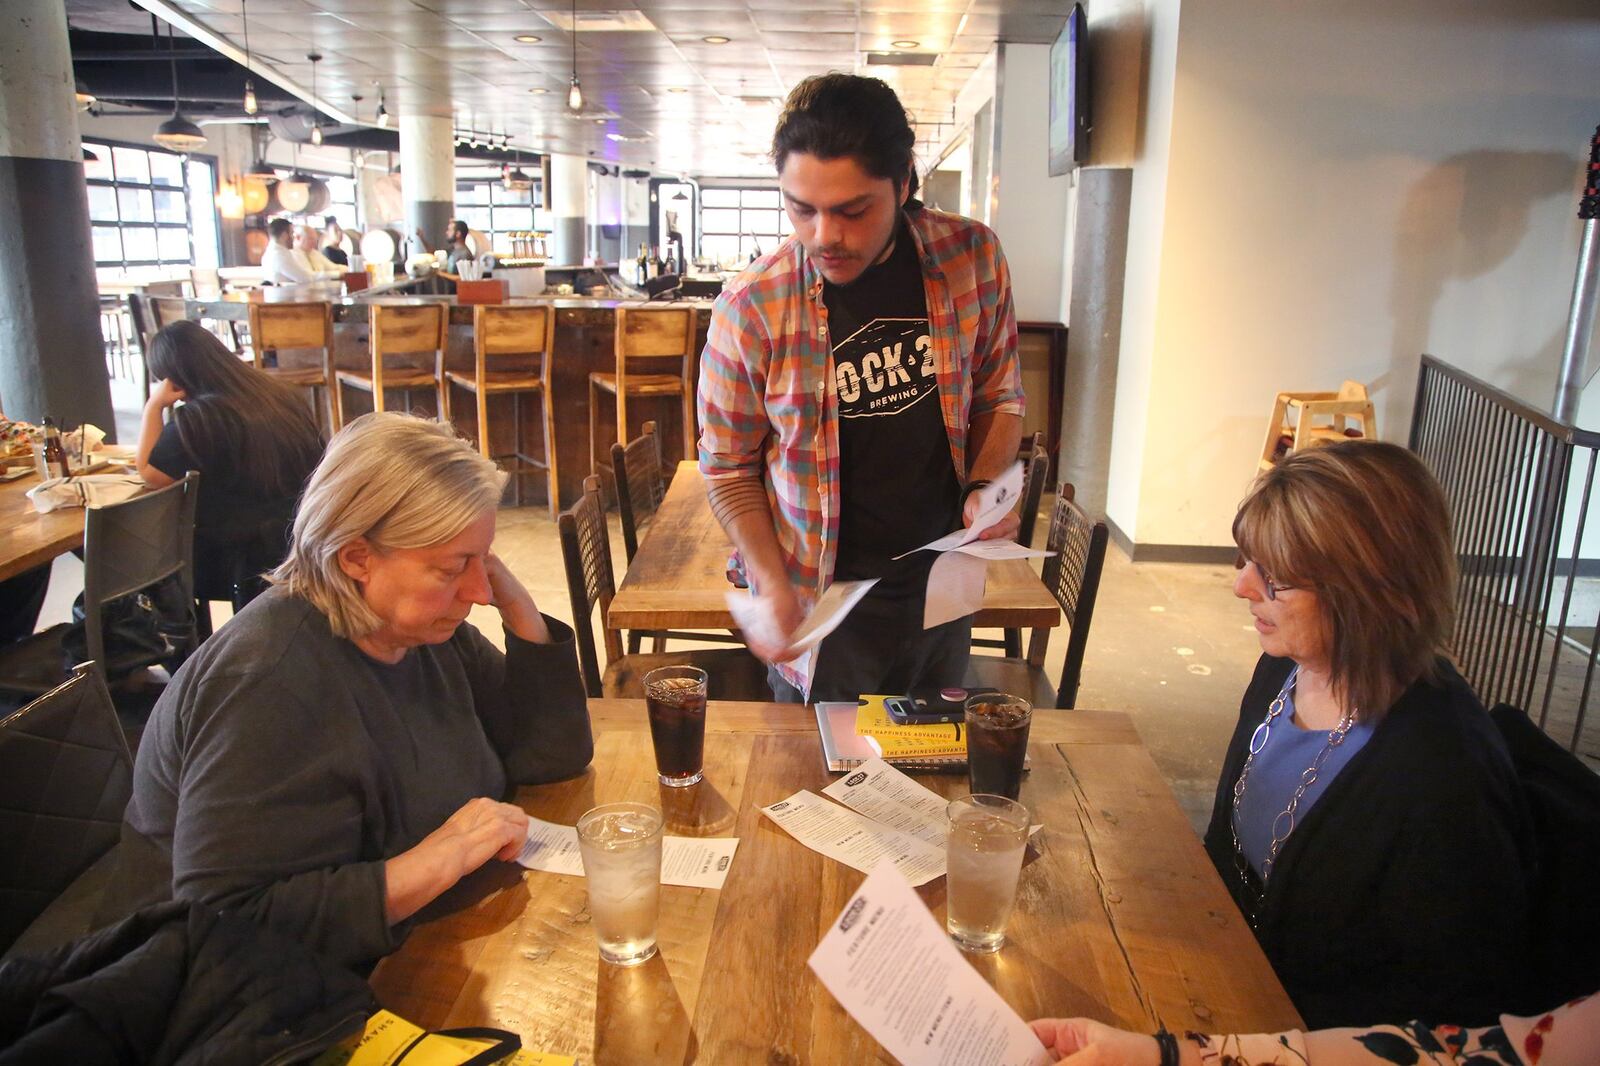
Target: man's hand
x: 512, y: 599
x: 1005, y: 529
x: 781, y: 614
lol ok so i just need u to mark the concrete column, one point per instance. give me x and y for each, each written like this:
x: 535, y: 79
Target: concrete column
x: 428, y: 174
x: 569, y: 195
x: 51, y: 358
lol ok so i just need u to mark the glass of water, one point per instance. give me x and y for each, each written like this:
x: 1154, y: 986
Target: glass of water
x: 988, y: 835
x: 621, y: 847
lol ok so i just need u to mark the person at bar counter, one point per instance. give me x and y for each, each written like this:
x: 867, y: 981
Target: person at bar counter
x: 857, y: 386
x: 455, y: 246
x: 1368, y: 820
x: 280, y: 265
x: 253, y: 441
x: 334, y: 758
x: 310, y: 248
x: 333, y: 242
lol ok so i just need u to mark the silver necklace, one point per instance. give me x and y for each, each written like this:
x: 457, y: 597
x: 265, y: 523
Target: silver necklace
x: 1283, y: 824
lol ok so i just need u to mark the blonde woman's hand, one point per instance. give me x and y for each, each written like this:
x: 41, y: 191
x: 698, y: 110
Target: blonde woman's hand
x: 512, y: 599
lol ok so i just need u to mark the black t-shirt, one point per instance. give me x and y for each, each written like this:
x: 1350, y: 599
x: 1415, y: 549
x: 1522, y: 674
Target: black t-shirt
x: 898, y: 485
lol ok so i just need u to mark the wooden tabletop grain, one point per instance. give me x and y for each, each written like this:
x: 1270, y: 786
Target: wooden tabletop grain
x: 1120, y: 915
x: 678, y: 579
x: 29, y: 539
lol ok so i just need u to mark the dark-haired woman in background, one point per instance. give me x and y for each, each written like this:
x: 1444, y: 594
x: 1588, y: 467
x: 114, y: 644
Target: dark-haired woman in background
x: 252, y: 439
x: 1368, y: 820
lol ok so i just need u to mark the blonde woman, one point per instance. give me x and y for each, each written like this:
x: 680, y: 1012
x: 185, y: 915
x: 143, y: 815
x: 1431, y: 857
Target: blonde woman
x: 1368, y: 820
x: 334, y: 758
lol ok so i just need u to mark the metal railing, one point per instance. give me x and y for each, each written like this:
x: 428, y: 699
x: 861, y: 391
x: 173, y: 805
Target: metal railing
x: 1519, y: 484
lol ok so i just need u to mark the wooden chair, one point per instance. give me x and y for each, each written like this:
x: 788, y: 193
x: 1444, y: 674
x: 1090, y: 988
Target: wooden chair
x: 498, y: 331
x: 278, y: 326
x: 1073, y: 576
x: 646, y: 334
x: 734, y: 673
x: 1036, y: 460
x: 641, y: 483
x: 401, y: 329
x: 1305, y: 419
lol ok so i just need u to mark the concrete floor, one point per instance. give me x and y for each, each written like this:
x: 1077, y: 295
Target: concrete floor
x: 1170, y: 644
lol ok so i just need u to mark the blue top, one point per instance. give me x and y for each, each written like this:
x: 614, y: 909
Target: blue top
x: 1288, y: 752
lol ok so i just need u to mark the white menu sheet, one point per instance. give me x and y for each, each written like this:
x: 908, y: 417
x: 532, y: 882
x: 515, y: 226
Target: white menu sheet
x: 995, y: 500
x: 692, y: 862
x: 855, y: 840
x: 886, y: 795
x: 888, y: 963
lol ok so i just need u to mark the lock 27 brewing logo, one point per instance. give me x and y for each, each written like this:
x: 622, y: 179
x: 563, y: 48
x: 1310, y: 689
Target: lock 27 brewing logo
x: 884, y: 368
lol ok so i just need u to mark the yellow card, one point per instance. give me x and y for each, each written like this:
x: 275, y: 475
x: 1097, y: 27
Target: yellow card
x: 388, y: 1036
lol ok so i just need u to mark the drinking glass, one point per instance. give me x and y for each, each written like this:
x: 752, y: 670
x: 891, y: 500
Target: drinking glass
x: 675, y: 697
x: 997, y: 743
x: 621, y: 847
x: 987, y: 837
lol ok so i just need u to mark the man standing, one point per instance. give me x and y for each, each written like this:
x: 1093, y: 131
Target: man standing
x: 857, y: 386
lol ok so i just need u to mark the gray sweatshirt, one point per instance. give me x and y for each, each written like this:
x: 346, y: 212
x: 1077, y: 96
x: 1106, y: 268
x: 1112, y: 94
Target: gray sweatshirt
x: 283, y: 766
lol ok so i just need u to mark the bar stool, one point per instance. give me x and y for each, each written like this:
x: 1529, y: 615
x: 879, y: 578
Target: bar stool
x: 646, y: 333
x: 277, y: 326
x: 402, y: 329
x: 502, y: 331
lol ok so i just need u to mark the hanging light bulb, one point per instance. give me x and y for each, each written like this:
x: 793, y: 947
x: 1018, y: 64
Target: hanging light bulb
x: 251, y: 106
x: 316, y: 116
x: 575, y: 93
x: 383, y: 112
x: 177, y: 132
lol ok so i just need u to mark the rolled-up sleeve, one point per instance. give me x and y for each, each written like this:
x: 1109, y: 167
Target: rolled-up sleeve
x: 733, y: 420
x: 996, y: 368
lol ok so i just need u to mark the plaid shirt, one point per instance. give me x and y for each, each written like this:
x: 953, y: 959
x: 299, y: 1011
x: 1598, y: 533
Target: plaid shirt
x: 768, y: 404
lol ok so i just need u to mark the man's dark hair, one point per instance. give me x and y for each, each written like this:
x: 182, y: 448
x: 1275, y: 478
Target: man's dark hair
x: 330, y: 220
x: 278, y: 227
x: 459, y: 228
x: 835, y: 115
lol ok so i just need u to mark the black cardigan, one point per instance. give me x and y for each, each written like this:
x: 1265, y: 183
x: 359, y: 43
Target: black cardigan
x: 1403, y: 892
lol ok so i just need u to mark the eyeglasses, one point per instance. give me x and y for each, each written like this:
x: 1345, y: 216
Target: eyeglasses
x: 1272, y: 587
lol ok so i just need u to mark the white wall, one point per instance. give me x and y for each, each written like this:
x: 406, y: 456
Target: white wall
x: 1324, y: 190
x: 1030, y: 206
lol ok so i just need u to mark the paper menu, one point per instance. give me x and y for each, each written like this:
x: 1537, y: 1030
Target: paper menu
x: 691, y: 862
x: 753, y: 616
x: 995, y: 500
x: 888, y: 796
x: 889, y: 965
x: 855, y: 840
x: 955, y: 587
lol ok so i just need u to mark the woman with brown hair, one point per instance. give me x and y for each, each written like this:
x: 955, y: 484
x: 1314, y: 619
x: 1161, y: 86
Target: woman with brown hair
x: 252, y: 439
x: 1368, y: 820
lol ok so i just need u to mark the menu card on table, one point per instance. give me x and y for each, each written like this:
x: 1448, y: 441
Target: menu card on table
x: 692, y: 862
x: 855, y: 840
x: 888, y: 963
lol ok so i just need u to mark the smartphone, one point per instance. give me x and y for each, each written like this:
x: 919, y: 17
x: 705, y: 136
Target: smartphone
x: 931, y: 706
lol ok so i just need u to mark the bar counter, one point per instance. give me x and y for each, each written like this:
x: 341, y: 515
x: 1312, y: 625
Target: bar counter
x: 584, y: 335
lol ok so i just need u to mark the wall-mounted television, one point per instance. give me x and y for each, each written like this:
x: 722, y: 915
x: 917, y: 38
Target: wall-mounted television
x: 1069, y: 94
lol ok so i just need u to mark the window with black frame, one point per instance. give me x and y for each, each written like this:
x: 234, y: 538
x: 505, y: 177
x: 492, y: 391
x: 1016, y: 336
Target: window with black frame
x: 150, y: 209
x: 486, y: 205
x: 738, y: 222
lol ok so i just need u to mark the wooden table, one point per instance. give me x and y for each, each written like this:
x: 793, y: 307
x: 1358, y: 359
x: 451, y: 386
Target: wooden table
x: 29, y: 539
x: 1120, y: 914
x: 679, y: 576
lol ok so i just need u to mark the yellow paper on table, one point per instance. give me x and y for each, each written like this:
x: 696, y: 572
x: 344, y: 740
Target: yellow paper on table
x: 388, y: 1038
x: 939, y: 740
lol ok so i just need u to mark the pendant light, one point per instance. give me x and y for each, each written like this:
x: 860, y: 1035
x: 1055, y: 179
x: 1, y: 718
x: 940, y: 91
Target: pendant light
x: 383, y: 112
x: 177, y: 133
x: 575, y: 93
x: 316, y: 116
x: 251, y: 106
x: 516, y: 179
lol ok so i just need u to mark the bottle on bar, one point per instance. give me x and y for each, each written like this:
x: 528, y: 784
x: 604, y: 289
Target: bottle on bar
x: 55, y: 455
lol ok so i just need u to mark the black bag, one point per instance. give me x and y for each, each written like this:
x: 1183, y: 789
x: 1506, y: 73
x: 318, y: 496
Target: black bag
x: 153, y: 625
x: 1563, y: 798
